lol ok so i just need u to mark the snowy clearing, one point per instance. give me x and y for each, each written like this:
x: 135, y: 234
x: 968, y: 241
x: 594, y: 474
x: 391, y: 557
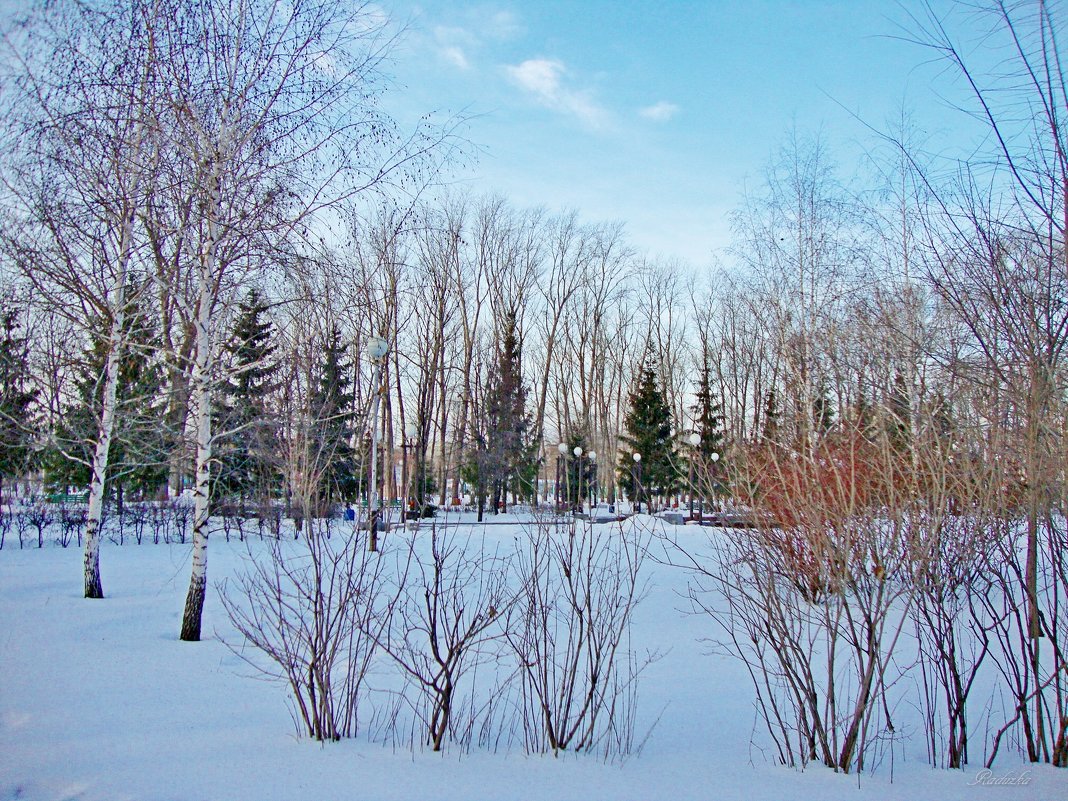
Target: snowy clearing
x: 100, y: 700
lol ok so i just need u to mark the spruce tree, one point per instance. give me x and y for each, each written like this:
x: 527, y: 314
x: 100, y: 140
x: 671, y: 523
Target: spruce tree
x: 509, y: 450
x: 579, y: 472
x: 647, y: 429
x: 899, y: 414
x: 708, y: 422
x: 332, y: 422
x: 138, y: 452
x: 247, y: 447
x: 16, y: 397
x: 862, y: 417
x: 772, y: 413
x: 822, y: 409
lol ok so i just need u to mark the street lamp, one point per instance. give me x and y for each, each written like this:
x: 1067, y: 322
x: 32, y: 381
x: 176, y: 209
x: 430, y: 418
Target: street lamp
x: 593, y: 480
x: 411, y: 466
x: 636, y: 481
x: 695, y: 441
x: 376, y: 350
x: 560, y: 467
x: 579, y: 474
x: 715, y: 458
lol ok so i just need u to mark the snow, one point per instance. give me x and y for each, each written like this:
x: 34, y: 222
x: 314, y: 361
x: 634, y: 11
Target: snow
x: 100, y: 700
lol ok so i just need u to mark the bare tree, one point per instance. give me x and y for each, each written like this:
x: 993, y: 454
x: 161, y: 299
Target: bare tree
x: 271, y: 124
x: 88, y: 149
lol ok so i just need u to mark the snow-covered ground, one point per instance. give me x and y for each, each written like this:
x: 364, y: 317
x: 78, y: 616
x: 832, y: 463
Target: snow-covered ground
x: 99, y: 701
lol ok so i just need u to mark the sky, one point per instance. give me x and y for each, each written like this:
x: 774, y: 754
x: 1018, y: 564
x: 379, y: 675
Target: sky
x: 661, y: 114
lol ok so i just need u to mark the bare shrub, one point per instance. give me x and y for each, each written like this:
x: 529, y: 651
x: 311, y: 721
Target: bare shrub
x: 570, y: 632
x: 951, y: 622
x: 181, y: 512
x: 313, y: 610
x: 40, y: 516
x: 450, y: 620
x: 814, y: 597
x: 136, y: 516
x: 21, y: 519
x: 72, y: 521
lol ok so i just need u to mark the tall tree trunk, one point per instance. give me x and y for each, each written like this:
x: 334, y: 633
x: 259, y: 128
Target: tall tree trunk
x: 203, y: 363
x: 93, y: 585
x: 98, y: 475
x: 198, y: 580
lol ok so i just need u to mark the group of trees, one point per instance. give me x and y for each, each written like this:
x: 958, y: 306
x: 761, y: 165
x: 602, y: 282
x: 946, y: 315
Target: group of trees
x: 208, y: 216
x: 160, y: 157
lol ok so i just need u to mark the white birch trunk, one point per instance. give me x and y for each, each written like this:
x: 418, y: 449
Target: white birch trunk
x: 202, y: 402
x: 98, y: 474
x: 93, y: 585
x: 203, y: 363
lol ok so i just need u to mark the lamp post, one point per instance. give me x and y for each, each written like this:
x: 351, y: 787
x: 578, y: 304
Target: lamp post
x: 592, y: 485
x: 580, y: 475
x: 411, y: 467
x: 715, y: 458
x: 561, y: 451
x: 636, y: 481
x: 377, y: 348
x: 695, y: 441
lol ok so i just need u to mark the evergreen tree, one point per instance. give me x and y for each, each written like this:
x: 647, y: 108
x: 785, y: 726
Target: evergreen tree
x: 862, y: 417
x: 509, y: 451
x: 772, y: 414
x: 332, y: 421
x: 647, y: 429
x: 899, y: 414
x: 16, y: 397
x: 247, y: 447
x: 708, y: 422
x: 138, y: 452
x: 822, y: 410
x: 479, y: 465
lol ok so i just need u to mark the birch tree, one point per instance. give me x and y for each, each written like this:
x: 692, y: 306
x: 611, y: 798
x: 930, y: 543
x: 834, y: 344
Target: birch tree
x: 85, y: 159
x: 273, y: 124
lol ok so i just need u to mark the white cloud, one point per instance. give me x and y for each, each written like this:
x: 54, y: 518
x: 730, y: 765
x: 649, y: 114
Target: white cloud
x: 659, y: 112
x: 461, y: 43
x: 543, y: 79
x: 452, y: 45
x: 456, y: 56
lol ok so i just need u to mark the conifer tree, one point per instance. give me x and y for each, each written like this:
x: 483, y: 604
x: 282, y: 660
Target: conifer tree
x: 138, y: 451
x: 772, y: 413
x: 862, y: 417
x: 822, y: 409
x: 647, y: 429
x: 708, y: 422
x: 247, y: 447
x: 332, y: 421
x: 16, y: 396
x: 579, y: 472
x: 898, y: 414
x: 509, y: 451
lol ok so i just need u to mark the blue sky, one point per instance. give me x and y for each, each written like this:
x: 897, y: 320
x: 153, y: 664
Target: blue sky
x: 659, y: 113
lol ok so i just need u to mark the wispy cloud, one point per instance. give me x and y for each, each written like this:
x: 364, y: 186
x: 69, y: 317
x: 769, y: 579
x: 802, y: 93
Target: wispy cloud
x: 543, y: 79
x: 453, y: 44
x: 659, y: 112
x: 461, y: 42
